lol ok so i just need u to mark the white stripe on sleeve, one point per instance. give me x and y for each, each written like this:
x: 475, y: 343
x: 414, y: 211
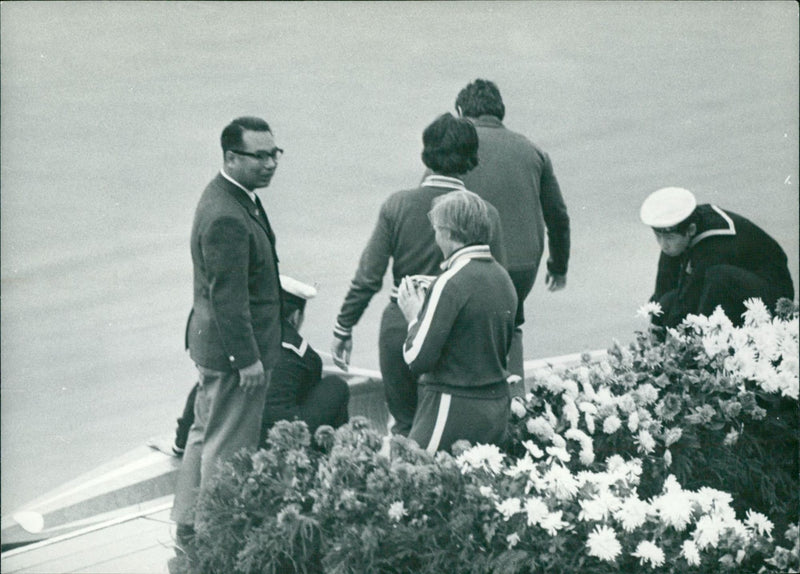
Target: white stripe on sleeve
x: 416, y: 344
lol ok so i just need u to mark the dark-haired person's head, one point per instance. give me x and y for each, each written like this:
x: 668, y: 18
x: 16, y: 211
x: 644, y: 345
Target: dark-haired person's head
x: 293, y: 309
x: 294, y: 295
x: 480, y: 98
x: 462, y: 217
x: 450, y: 146
x: 231, y: 138
x: 249, y: 152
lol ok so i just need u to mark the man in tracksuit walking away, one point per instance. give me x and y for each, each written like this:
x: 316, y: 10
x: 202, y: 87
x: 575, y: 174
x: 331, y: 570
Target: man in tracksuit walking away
x: 460, y: 331
x: 404, y: 235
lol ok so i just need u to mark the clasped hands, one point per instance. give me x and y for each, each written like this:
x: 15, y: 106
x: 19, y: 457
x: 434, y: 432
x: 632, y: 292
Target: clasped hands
x: 410, y: 297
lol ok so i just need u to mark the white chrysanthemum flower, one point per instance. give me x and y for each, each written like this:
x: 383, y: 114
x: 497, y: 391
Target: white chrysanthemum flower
x: 765, y: 340
x: 481, y: 457
x: 611, y: 424
x: 536, y: 510
x: 646, y: 551
x: 571, y: 412
x: 672, y: 435
x: 757, y: 313
x: 707, y: 531
x: 518, y: 408
x: 587, y: 407
x: 603, y: 544
x: 719, y: 321
x: 632, y: 513
x: 628, y: 471
x: 509, y: 507
x: 759, y: 523
x: 698, y: 323
x: 714, y: 345
x: 571, y: 389
x: 604, y: 399
x: 674, y: 506
x: 540, y: 427
x: 731, y: 438
x: 397, y: 511
x: 512, y: 540
x: 560, y: 482
x: 712, y: 500
x: 647, y: 393
x: 645, y: 442
x: 558, y: 441
x: 522, y: 466
x: 487, y: 491
x: 626, y: 403
x: 578, y: 435
x: 690, y: 552
x: 615, y: 463
x: 651, y: 308
x: 552, y: 523
x: 788, y: 384
x: 532, y: 448
x: 559, y: 453
x: 633, y: 421
x: 600, y: 507
x: 586, y: 456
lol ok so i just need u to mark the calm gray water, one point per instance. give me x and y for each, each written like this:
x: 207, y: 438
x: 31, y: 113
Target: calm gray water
x: 111, y: 114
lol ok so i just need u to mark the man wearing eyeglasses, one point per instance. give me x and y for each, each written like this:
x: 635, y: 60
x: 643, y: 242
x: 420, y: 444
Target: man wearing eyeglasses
x: 234, y: 329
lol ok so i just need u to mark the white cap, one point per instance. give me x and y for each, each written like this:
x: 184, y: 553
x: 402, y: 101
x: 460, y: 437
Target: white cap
x: 667, y: 207
x: 297, y: 288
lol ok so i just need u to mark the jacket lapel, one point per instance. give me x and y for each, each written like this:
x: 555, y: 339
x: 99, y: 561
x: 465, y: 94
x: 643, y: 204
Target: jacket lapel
x: 256, y: 211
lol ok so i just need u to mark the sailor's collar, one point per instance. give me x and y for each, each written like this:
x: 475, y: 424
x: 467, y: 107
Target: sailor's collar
x: 714, y: 226
x: 468, y: 252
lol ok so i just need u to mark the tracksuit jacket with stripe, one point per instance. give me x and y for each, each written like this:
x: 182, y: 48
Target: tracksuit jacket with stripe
x: 460, y: 339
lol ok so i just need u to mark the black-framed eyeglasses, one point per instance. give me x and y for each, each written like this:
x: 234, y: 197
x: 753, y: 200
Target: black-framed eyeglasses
x: 274, y: 155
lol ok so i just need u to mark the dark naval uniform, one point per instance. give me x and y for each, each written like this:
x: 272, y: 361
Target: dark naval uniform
x: 299, y: 392
x: 458, y: 344
x: 404, y: 235
x: 729, y: 260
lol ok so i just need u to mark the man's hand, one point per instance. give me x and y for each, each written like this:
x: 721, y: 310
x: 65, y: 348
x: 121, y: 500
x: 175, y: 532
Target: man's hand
x: 341, y: 350
x: 253, y: 376
x: 410, y: 298
x: 555, y: 282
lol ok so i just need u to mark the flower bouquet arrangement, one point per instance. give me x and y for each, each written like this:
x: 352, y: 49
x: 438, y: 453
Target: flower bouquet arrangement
x: 647, y: 461
x: 712, y: 404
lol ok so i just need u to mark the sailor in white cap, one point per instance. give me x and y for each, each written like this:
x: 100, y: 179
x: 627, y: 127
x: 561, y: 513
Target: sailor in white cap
x: 710, y: 257
x: 297, y: 390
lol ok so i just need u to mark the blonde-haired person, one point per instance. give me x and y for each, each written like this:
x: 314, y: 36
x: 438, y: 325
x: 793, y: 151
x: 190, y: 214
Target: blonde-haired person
x: 460, y: 331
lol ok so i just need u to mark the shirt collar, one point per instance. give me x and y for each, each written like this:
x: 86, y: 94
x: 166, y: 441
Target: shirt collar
x: 487, y: 120
x: 250, y: 193
x: 468, y: 252
x: 434, y: 180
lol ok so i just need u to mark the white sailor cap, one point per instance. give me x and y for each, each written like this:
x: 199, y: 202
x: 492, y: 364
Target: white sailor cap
x: 297, y: 290
x: 667, y: 207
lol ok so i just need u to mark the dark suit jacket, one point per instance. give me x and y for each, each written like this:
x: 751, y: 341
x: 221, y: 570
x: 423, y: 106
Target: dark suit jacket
x: 236, y: 315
